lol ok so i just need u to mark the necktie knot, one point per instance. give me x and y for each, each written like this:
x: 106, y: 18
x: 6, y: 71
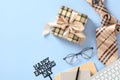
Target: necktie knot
x: 106, y: 17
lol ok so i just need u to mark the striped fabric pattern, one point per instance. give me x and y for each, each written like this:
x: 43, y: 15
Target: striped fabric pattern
x: 106, y: 34
x: 107, y: 44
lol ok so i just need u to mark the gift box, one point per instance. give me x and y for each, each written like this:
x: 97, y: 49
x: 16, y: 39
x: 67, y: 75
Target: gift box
x: 69, y: 25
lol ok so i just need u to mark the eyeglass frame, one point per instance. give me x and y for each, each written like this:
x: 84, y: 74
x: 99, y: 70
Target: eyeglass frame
x: 80, y: 53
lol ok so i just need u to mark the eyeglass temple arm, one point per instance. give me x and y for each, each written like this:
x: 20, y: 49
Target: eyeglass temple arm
x: 85, y: 49
x: 69, y: 56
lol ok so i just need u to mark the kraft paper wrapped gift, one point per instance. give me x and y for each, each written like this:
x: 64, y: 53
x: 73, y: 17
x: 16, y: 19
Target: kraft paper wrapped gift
x: 88, y: 66
x: 69, y: 25
x: 82, y: 75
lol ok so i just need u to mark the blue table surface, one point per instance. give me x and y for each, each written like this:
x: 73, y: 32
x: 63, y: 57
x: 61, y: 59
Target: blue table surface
x: 21, y: 41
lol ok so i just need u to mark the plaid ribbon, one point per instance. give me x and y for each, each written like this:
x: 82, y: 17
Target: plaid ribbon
x: 106, y: 35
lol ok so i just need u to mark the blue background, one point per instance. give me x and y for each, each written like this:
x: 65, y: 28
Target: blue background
x: 21, y: 41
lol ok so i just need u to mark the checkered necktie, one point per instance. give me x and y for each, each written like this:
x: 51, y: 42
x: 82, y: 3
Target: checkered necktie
x: 106, y: 35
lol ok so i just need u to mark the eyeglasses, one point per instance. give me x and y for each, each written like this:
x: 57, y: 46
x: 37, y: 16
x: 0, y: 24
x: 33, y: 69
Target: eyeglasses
x: 74, y: 58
